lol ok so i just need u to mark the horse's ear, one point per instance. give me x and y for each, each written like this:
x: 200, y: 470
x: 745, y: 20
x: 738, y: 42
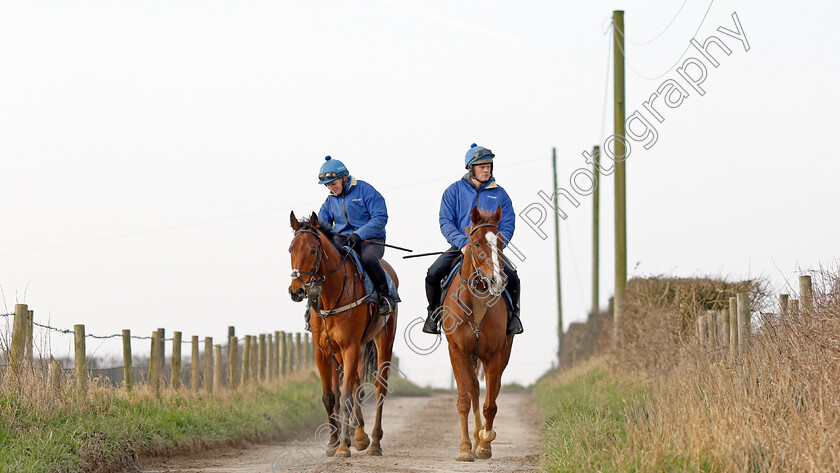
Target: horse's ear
x: 497, y: 215
x: 294, y: 221
x: 313, y: 221
x: 475, y: 214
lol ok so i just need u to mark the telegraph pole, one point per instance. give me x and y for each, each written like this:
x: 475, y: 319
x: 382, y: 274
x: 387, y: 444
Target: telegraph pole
x: 557, y: 260
x: 620, y: 173
x: 595, y: 227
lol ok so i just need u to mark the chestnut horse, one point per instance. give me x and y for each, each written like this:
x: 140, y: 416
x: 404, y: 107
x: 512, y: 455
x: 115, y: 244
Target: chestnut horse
x: 475, y: 323
x: 339, y: 315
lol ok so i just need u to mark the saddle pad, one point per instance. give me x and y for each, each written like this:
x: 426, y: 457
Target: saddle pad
x: 369, y: 289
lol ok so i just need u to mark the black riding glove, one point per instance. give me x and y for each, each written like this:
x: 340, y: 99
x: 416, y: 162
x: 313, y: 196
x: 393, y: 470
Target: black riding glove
x: 353, y: 241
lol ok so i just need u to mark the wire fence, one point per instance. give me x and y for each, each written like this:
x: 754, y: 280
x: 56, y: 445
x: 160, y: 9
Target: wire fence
x: 253, y: 358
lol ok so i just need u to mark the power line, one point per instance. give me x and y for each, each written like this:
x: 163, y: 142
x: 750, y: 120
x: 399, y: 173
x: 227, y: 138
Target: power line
x: 675, y: 62
x: 663, y: 31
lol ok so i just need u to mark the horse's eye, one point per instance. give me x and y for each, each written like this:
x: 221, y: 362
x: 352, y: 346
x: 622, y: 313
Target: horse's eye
x: 477, y: 244
x: 313, y: 251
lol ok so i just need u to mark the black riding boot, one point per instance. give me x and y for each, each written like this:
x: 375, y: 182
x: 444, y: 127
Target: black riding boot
x: 433, y: 317
x: 514, y: 326
x: 380, y: 282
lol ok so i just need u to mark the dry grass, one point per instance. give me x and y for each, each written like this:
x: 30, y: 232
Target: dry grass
x: 776, y: 409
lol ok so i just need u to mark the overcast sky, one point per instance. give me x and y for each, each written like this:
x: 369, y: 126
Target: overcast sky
x: 150, y: 152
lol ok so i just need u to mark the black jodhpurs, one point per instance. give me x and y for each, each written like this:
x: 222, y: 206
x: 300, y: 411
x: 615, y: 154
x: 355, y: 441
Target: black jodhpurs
x: 443, y: 265
x: 369, y: 254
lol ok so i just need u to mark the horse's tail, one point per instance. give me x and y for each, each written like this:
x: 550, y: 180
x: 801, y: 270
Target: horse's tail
x: 369, y: 362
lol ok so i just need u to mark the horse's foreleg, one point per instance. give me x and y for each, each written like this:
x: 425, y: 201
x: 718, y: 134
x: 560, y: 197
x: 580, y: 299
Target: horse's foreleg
x: 493, y: 380
x: 328, y: 384
x: 351, y: 369
x: 474, y: 398
x: 464, y: 376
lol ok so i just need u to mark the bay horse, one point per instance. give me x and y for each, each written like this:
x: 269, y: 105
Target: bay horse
x: 339, y: 316
x: 474, y: 319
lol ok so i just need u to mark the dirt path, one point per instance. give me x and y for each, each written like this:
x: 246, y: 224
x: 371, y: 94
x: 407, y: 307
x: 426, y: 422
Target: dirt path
x: 429, y: 444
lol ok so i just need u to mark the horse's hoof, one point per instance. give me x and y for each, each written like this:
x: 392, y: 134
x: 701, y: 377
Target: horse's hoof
x: 375, y: 451
x: 483, y: 453
x: 466, y: 457
x: 361, y: 443
x: 330, y: 452
x: 342, y: 453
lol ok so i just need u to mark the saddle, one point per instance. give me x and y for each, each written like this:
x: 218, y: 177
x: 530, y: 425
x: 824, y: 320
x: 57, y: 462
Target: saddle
x: 375, y: 323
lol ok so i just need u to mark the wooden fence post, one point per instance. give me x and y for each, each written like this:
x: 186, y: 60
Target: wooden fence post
x: 255, y: 376
x: 711, y: 317
x: 55, y: 376
x: 283, y: 354
x: 81, y: 361
x: 783, y: 306
x: 277, y: 343
x: 744, y: 328
x: 806, y: 293
x: 18, y: 348
x: 723, y: 317
x: 269, y: 338
x: 162, y: 349
x: 128, y: 372
x: 208, y: 364
x: 176, y: 360
x: 298, y: 353
x: 733, y: 325
x: 233, y: 361
x: 218, y: 371
x: 702, y: 330
x: 261, y: 357
x: 793, y: 307
x: 307, y: 358
x: 194, y: 369
x: 154, y: 364
x: 30, y: 320
x: 246, y: 360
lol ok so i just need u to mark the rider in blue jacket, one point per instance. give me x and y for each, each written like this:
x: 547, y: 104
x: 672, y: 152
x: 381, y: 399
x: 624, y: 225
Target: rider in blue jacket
x: 477, y: 187
x: 356, y: 212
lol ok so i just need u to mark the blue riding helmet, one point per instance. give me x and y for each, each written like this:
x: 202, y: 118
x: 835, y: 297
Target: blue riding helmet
x: 331, y: 170
x: 478, y: 155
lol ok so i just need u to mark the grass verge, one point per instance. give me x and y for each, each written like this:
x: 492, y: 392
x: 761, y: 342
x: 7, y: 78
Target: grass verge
x: 111, y: 428
x: 589, y: 412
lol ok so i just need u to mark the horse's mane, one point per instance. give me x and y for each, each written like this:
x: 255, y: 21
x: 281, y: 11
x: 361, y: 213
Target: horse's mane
x: 305, y: 224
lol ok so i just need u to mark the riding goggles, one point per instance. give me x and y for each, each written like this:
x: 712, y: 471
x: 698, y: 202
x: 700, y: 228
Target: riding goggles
x: 329, y: 175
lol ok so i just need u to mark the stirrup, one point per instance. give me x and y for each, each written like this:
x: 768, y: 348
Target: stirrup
x: 386, y: 306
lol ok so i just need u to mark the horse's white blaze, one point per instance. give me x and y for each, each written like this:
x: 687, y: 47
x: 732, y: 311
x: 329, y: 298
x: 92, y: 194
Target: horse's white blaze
x: 494, y: 248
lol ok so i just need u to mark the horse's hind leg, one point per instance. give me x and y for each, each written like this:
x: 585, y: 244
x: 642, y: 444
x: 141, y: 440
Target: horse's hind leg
x: 493, y: 380
x: 384, y: 350
x: 360, y: 439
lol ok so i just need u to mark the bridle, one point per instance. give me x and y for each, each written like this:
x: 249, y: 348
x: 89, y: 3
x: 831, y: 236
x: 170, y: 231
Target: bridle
x: 315, y: 285
x: 472, y: 253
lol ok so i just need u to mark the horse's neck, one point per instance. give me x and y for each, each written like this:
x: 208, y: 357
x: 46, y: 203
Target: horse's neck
x: 334, y: 280
x: 478, y: 305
